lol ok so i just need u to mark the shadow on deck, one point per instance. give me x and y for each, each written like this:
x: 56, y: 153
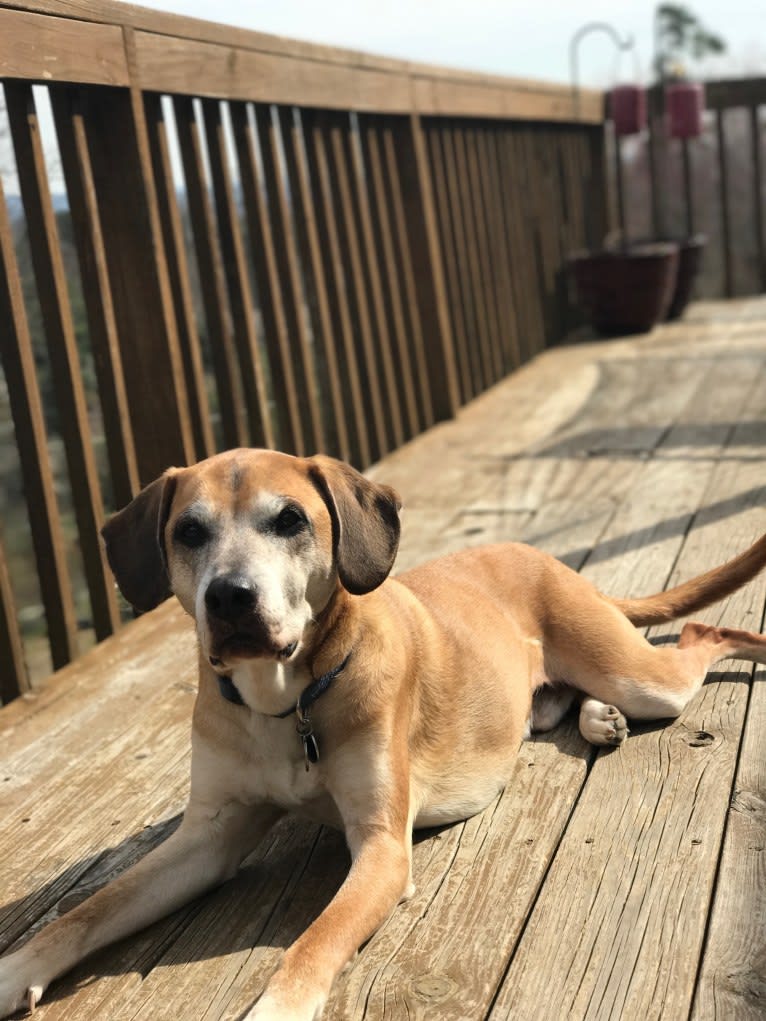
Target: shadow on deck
x: 621, y: 883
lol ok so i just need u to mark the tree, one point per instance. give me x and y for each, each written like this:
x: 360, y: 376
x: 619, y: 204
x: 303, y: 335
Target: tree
x: 679, y: 33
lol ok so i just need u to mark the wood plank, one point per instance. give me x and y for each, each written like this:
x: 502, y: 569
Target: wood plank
x: 47, y: 49
x: 180, y: 283
x: 29, y: 424
x: 731, y: 973
x: 445, y: 98
x: 725, y: 93
x: 252, y: 373
x: 165, y: 23
x: 210, y: 269
x: 174, y: 65
x: 52, y: 290
x: 297, y: 358
x: 335, y: 427
x: 730, y: 982
x: 97, y: 293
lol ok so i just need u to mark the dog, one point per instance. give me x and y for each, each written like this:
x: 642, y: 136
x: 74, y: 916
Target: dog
x: 370, y: 703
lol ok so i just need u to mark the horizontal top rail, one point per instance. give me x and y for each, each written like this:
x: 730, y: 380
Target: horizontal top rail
x: 721, y: 94
x: 109, y: 43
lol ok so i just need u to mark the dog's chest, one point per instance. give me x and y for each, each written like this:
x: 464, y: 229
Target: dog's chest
x: 262, y: 760
x: 278, y: 763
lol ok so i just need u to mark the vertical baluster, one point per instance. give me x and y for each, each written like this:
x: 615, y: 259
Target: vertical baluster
x: 42, y: 506
x: 62, y: 351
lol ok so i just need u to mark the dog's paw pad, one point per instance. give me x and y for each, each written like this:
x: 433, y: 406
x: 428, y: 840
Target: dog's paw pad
x: 602, y: 724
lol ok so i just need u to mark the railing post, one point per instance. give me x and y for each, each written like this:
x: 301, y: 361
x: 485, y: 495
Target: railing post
x: 423, y: 236
x: 118, y: 140
x: 596, y: 195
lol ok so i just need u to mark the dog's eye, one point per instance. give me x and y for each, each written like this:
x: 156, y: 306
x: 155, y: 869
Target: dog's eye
x: 191, y: 534
x: 289, y: 522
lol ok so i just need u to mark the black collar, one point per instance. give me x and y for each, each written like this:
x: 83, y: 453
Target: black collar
x: 307, y: 697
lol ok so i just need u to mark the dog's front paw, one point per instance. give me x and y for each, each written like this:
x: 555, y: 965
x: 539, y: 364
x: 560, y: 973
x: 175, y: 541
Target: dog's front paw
x: 18, y: 986
x: 602, y: 724
x: 291, y: 1005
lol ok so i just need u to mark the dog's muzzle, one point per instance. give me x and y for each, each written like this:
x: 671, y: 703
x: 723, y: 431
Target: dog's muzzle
x: 237, y: 628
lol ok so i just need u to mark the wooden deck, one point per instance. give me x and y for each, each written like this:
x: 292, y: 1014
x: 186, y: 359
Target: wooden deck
x: 624, y: 883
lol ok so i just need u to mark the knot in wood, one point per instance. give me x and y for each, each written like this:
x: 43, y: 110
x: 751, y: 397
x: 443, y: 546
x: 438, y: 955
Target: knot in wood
x: 434, y: 987
x: 700, y: 739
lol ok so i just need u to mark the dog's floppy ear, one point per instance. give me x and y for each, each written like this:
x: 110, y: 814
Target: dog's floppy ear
x: 135, y: 546
x: 365, y: 523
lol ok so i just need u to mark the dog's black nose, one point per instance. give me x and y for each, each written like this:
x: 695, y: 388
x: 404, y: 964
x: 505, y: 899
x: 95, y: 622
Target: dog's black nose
x: 229, y: 596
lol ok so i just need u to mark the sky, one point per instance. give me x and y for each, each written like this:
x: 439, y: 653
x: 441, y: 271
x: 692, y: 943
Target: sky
x: 513, y: 37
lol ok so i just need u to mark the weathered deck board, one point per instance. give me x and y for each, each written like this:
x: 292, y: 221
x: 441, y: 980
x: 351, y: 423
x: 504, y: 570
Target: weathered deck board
x: 591, y: 887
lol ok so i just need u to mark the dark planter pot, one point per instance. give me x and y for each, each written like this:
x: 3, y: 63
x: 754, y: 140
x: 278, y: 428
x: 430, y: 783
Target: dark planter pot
x: 626, y: 290
x: 689, y: 259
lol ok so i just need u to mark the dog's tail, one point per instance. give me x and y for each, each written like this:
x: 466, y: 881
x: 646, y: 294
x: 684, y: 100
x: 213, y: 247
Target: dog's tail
x: 698, y: 593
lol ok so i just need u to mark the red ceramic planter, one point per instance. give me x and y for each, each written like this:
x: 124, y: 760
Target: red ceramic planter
x: 626, y: 290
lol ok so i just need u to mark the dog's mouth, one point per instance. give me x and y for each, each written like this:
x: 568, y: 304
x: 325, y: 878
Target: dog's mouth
x: 241, y: 645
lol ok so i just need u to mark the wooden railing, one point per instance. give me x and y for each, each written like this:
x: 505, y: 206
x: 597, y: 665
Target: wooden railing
x: 713, y: 185
x: 263, y: 242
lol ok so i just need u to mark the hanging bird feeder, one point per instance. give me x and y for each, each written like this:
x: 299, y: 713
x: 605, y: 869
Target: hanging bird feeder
x: 627, y: 104
x: 684, y: 103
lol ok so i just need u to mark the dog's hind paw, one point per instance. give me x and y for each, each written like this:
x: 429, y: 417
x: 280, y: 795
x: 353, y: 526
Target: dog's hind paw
x: 602, y: 724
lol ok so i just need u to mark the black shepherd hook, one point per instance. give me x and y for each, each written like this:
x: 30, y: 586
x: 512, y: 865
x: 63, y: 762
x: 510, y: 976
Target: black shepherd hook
x: 593, y: 26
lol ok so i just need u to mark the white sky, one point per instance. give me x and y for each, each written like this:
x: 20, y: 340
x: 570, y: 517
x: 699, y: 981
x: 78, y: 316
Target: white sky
x: 515, y: 37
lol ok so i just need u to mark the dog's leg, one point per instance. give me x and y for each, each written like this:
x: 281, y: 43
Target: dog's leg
x: 550, y: 704
x: 377, y: 881
x: 660, y: 682
x: 205, y: 850
x: 373, y: 799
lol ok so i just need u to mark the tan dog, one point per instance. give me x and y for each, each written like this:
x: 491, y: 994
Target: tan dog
x: 371, y: 704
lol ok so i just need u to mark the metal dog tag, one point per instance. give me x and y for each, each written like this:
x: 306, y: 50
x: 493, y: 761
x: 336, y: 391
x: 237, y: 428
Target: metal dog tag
x: 306, y: 734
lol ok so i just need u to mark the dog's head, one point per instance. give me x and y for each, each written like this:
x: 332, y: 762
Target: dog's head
x: 253, y: 543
